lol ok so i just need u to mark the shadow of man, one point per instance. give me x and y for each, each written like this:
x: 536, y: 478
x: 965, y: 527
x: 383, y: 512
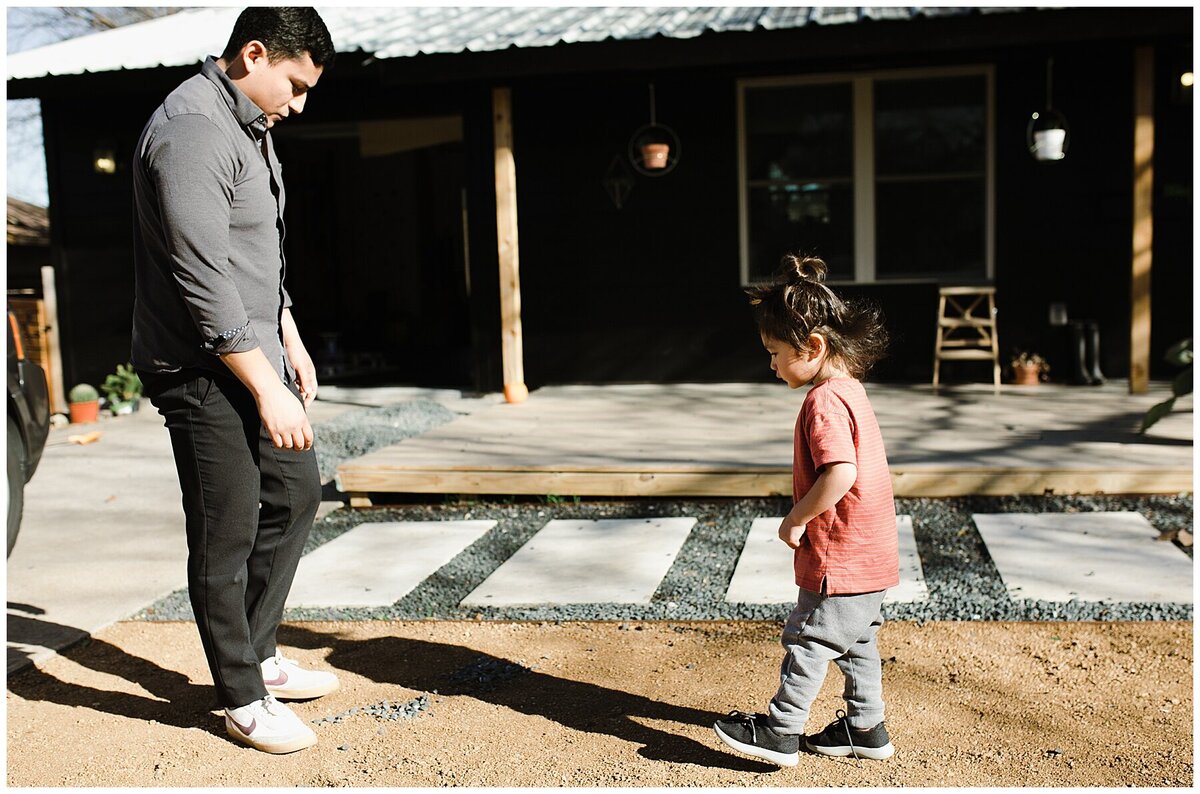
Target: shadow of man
x: 182, y: 704
x: 426, y: 666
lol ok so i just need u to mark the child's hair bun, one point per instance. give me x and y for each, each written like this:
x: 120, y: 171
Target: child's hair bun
x: 804, y: 268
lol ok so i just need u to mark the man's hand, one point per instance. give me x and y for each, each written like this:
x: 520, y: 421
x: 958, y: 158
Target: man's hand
x: 282, y: 414
x: 306, y: 373
x: 790, y: 532
x: 284, y: 418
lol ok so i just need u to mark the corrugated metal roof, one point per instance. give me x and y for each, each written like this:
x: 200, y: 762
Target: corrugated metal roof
x: 399, y: 32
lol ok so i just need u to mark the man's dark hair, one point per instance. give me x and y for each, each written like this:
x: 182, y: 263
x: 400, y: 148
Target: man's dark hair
x: 286, y: 33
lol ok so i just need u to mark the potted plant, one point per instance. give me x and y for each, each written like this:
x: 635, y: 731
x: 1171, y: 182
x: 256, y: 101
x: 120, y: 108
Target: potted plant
x: 84, y: 404
x: 1179, y: 354
x: 654, y: 155
x: 123, y: 390
x: 1029, y: 369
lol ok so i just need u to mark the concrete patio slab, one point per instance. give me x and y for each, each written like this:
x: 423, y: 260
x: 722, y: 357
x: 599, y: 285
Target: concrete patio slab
x: 1085, y: 556
x: 764, y: 569
x: 377, y: 564
x: 587, y: 562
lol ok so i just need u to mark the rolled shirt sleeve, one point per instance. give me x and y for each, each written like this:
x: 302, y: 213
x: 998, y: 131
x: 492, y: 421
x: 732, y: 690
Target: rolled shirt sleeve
x: 195, y: 214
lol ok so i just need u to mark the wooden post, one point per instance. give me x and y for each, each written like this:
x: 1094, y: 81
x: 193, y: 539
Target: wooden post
x: 1143, y: 219
x: 58, y: 400
x: 515, y: 390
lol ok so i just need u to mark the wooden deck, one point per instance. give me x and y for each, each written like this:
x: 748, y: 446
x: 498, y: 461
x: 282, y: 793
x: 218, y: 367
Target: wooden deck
x: 701, y: 440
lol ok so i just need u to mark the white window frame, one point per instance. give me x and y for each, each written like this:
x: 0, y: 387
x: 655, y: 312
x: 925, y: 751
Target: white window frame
x: 863, y: 180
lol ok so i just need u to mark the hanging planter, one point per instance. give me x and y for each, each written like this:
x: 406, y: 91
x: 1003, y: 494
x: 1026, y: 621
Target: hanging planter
x: 654, y: 149
x: 1048, y: 134
x: 654, y: 155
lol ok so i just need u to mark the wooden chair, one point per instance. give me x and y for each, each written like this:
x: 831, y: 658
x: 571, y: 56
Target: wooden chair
x: 964, y: 334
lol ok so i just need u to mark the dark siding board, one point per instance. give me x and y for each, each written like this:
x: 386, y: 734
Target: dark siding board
x: 483, y: 302
x: 640, y: 293
x: 1171, y: 303
x: 23, y: 268
x: 374, y: 253
x: 91, y: 227
x: 101, y: 312
x: 1064, y: 228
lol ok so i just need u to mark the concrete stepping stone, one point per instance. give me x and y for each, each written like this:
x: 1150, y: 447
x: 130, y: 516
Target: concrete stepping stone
x: 1085, y: 557
x: 377, y: 564
x: 764, y: 570
x: 587, y: 562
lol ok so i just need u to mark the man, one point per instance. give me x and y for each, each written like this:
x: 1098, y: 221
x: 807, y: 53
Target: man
x: 222, y: 360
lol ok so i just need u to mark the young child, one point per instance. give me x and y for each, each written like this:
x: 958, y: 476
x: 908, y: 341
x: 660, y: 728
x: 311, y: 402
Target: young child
x: 842, y: 527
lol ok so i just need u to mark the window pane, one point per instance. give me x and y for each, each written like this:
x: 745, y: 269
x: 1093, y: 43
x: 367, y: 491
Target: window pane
x: 799, y: 132
x: 930, y: 229
x: 930, y: 126
x: 814, y: 218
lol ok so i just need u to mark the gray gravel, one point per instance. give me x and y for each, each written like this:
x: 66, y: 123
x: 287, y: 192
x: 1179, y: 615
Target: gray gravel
x: 356, y: 432
x: 962, y: 580
x: 485, y: 673
x: 383, y: 710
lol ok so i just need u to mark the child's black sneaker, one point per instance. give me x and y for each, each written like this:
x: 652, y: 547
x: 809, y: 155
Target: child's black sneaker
x: 839, y: 739
x: 750, y: 734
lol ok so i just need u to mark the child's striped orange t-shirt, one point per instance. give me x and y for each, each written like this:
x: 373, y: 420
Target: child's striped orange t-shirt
x: 852, y: 547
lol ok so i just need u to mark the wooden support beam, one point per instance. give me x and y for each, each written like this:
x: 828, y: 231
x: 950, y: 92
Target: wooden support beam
x: 54, y: 372
x: 512, y: 355
x: 1143, y: 219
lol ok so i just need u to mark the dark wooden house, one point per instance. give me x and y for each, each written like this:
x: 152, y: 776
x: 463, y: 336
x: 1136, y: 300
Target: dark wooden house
x: 892, y: 141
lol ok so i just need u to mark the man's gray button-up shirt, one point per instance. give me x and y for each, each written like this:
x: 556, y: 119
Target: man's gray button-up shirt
x: 208, y: 231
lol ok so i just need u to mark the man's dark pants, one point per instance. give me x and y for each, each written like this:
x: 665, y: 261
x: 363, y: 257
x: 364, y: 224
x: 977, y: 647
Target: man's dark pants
x: 249, y: 508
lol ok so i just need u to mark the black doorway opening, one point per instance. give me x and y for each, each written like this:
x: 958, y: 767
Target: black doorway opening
x: 377, y: 267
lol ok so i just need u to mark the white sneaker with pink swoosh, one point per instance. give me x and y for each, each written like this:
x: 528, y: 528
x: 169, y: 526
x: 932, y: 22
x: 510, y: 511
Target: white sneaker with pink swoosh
x: 270, y: 726
x: 287, y: 680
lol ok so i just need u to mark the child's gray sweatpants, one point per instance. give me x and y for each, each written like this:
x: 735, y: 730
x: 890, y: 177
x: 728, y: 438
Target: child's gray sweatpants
x: 824, y: 629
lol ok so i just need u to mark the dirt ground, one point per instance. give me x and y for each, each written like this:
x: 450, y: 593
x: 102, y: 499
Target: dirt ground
x: 610, y: 704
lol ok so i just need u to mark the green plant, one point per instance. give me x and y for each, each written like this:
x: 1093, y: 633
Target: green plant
x: 1179, y: 354
x: 122, y: 386
x: 83, y: 393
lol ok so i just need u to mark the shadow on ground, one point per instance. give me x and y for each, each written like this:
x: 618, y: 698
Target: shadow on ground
x: 428, y: 666
x: 175, y: 699
x: 419, y: 665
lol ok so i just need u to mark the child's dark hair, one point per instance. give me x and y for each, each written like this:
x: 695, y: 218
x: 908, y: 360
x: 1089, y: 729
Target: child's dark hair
x: 798, y: 303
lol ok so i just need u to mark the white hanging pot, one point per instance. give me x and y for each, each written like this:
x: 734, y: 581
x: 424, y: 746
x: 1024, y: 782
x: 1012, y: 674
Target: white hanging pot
x: 1048, y: 136
x: 1048, y: 144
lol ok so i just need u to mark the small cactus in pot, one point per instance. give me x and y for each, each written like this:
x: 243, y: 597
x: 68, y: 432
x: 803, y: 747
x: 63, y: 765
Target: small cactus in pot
x: 84, y: 404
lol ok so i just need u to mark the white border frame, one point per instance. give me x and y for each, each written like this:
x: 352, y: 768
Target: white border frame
x: 862, y: 86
